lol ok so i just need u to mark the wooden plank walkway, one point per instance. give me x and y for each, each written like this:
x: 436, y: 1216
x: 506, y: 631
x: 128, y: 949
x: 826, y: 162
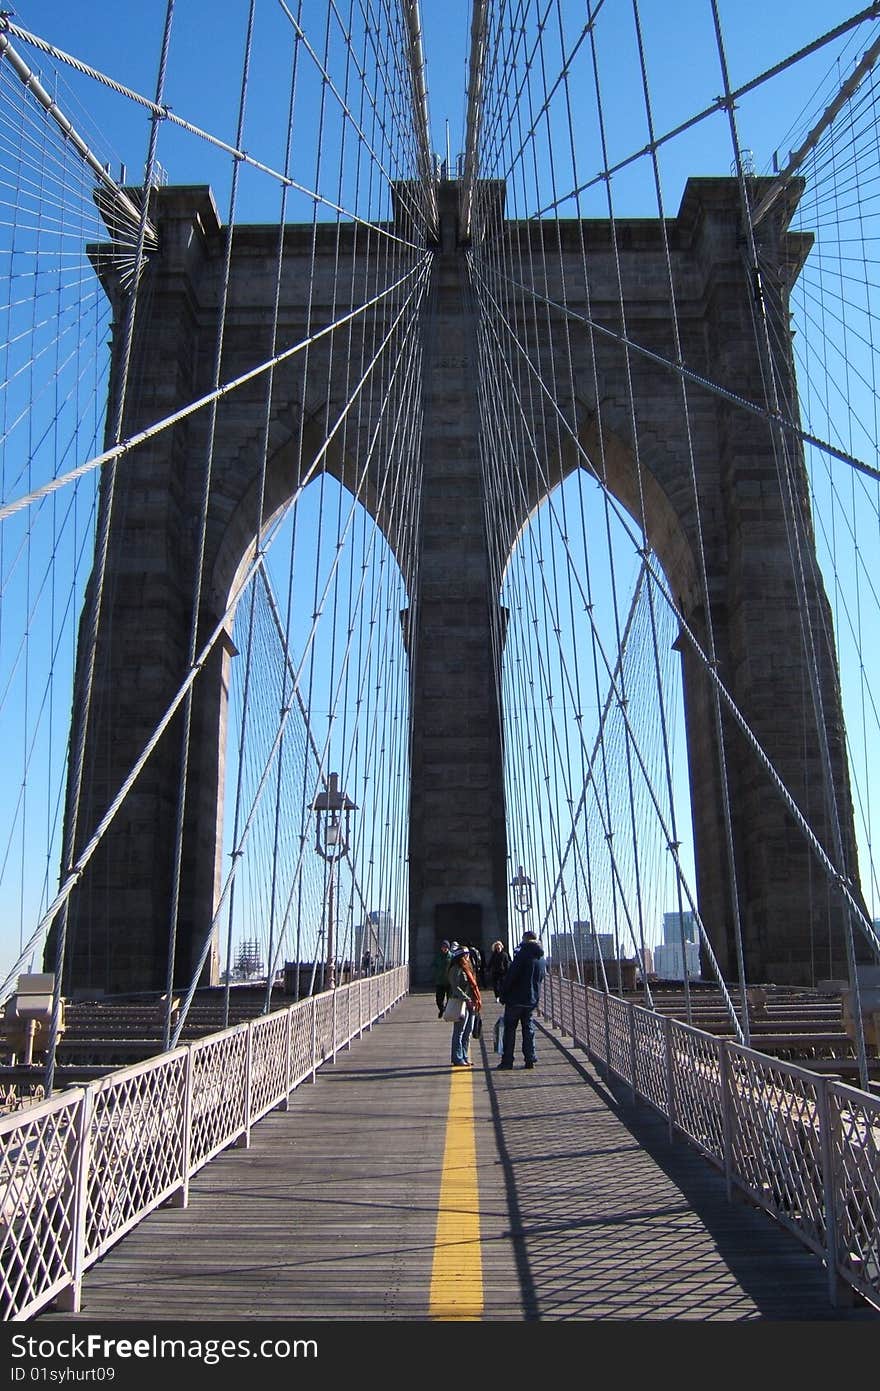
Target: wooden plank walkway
x: 586, y: 1211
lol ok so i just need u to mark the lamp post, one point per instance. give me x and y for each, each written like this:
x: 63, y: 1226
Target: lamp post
x: 522, y: 894
x: 331, y: 843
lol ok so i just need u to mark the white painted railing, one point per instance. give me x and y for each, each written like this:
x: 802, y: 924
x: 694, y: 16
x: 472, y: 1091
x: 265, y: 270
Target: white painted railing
x: 804, y: 1147
x: 80, y: 1170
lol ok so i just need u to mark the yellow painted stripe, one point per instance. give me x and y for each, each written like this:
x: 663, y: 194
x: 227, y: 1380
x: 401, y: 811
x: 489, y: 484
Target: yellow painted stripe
x: 457, y: 1275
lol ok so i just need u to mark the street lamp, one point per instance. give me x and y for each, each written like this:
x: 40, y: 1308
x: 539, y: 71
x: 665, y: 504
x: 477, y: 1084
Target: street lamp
x: 331, y: 843
x: 522, y: 893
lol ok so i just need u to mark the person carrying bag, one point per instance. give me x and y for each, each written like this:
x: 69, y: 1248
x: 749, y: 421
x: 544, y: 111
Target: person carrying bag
x: 464, y: 991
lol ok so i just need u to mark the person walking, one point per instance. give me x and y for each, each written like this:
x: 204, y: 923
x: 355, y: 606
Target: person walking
x: 476, y: 957
x: 463, y: 986
x: 441, y: 976
x: 520, y: 993
x: 499, y: 961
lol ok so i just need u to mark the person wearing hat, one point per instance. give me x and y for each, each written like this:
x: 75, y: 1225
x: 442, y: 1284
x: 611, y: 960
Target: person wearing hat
x: 520, y: 991
x: 463, y: 986
x: 499, y: 961
x: 441, y: 976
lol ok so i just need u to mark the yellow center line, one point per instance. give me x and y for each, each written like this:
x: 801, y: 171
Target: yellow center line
x: 457, y: 1274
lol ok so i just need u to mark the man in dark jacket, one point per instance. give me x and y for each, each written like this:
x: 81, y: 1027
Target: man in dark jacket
x: 520, y: 992
x: 440, y: 965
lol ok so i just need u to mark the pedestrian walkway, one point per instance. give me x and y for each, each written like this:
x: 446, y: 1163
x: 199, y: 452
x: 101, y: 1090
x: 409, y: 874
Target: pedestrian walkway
x: 398, y: 1188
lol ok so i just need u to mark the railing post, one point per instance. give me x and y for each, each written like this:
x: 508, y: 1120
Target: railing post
x: 288, y: 1042
x: 585, y: 991
x: 574, y: 1037
x: 314, y: 1038
x: 670, y: 1077
x: 607, y: 1039
x: 839, y: 1291
x: 70, y: 1299
x: 244, y: 1140
x: 632, y: 1051
x: 726, y: 1098
x: 333, y: 1054
x: 180, y: 1197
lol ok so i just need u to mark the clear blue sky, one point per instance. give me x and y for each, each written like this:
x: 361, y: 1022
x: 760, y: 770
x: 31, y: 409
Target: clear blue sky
x: 205, y: 65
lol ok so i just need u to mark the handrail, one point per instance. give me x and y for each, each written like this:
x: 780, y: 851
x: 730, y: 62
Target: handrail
x: 81, y: 1169
x: 798, y: 1144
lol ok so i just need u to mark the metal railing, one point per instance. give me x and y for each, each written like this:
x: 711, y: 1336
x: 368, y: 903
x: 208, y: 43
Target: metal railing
x: 80, y: 1170
x: 806, y: 1148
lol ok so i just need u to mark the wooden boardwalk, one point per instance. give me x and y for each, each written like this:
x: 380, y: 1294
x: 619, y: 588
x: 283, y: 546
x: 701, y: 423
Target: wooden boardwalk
x: 586, y: 1211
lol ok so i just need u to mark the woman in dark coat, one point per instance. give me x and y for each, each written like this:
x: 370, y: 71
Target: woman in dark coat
x: 497, y: 967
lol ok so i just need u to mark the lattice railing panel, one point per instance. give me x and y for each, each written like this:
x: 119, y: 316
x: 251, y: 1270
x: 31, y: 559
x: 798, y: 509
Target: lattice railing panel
x: 354, y: 1010
x: 596, y: 1019
x: 563, y: 1006
x: 218, y: 1093
x: 580, y: 1016
x: 344, y: 1015
x: 776, y: 1140
x: 619, y: 1038
x: 136, y: 1148
x: 650, y: 1051
x: 855, y: 1131
x: 550, y: 998
x: 358, y: 1007
x: 323, y: 1027
x: 37, y: 1180
x: 301, y: 1064
x: 268, y: 1070
x: 696, y: 1075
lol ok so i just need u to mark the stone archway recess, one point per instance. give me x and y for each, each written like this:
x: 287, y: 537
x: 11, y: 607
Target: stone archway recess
x: 119, y: 915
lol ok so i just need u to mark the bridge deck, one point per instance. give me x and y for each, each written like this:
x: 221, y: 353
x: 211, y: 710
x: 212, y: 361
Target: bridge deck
x: 585, y: 1210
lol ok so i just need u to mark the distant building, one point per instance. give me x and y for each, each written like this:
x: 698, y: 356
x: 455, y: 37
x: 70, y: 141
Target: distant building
x: 248, y: 962
x: 580, y: 943
x: 673, y: 924
x: 378, y: 936
x: 668, y: 961
x: 645, y: 960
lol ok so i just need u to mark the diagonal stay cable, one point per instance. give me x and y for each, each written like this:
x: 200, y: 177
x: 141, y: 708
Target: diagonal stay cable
x: 133, y: 441
x: 706, y: 383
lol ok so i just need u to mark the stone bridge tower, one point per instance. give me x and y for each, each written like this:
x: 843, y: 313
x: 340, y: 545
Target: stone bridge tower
x: 458, y: 865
